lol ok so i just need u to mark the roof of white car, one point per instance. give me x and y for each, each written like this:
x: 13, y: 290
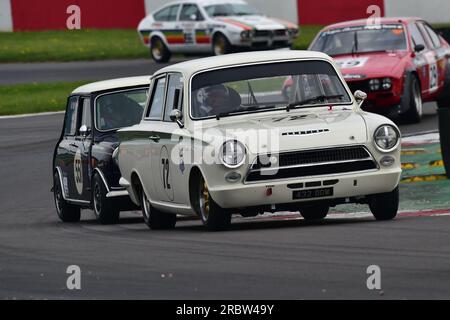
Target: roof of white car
x: 113, y: 84
x: 235, y: 59
x: 203, y: 2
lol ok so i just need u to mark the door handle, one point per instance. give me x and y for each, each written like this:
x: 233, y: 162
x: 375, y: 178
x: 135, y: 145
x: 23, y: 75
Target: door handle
x: 154, y: 138
x: 73, y: 145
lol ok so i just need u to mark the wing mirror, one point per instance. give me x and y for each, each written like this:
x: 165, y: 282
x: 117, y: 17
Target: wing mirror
x: 360, y: 96
x: 193, y: 17
x: 84, y: 131
x: 177, y: 116
x: 419, y: 47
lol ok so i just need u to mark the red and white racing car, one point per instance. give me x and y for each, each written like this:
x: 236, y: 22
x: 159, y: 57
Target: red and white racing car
x: 400, y: 63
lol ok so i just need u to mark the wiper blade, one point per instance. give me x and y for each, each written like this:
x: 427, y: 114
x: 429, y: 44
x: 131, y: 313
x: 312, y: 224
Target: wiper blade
x: 250, y: 108
x: 316, y: 98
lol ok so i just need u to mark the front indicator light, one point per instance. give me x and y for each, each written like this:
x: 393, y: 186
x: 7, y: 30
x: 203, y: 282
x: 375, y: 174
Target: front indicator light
x: 387, y: 161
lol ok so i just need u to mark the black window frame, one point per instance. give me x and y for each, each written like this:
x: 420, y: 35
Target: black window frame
x: 415, y: 24
x: 151, y: 96
x: 73, y: 132
x: 180, y: 97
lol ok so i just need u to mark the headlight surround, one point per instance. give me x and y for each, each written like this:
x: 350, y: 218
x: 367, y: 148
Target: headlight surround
x: 386, y: 138
x: 374, y: 84
x: 232, y: 154
x: 386, y: 83
x: 380, y: 84
x: 246, y: 34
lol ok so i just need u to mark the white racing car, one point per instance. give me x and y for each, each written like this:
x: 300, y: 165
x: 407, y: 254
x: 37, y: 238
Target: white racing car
x: 218, y: 137
x: 216, y: 26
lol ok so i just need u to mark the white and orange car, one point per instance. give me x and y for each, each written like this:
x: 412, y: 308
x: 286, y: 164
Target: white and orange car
x: 211, y: 26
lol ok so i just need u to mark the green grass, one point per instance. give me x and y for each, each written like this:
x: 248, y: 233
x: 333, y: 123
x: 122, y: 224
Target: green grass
x: 307, y: 34
x: 35, y: 97
x: 74, y: 45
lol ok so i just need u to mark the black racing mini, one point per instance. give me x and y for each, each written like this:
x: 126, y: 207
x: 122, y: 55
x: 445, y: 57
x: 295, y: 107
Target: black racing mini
x: 85, y: 175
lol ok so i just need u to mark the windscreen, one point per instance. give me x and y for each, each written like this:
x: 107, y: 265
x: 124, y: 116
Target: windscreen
x: 361, y: 39
x: 265, y: 87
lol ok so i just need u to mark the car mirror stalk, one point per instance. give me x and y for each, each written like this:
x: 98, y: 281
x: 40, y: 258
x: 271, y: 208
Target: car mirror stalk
x: 177, y: 116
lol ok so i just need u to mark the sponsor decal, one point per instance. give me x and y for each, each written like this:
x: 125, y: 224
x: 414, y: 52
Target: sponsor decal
x: 352, y: 76
x: 202, y: 36
x: 351, y: 62
x: 396, y: 28
x: 78, y: 172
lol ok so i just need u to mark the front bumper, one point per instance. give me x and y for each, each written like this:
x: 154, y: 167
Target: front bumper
x: 356, y: 184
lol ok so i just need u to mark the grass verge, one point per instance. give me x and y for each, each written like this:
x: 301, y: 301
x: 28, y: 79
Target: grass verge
x: 35, y: 97
x: 73, y: 45
x: 89, y: 44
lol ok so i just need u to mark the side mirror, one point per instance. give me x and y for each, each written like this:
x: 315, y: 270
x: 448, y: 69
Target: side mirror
x: 193, y: 17
x: 176, y: 116
x: 419, y: 47
x: 360, y: 96
x: 84, y: 131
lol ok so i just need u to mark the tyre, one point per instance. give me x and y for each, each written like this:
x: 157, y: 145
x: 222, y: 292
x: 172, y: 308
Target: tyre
x: 66, y: 212
x: 221, y: 45
x: 314, y: 212
x: 155, y: 219
x: 384, y: 206
x: 105, y: 210
x: 159, y: 51
x: 214, y: 218
x: 412, y: 100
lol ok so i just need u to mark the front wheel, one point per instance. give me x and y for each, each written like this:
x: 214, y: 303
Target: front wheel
x: 221, y: 45
x: 159, y: 51
x: 314, y: 212
x: 214, y: 218
x: 154, y: 218
x: 105, y: 210
x: 412, y: 100
x: 66, y: 212
x: 384, y: 206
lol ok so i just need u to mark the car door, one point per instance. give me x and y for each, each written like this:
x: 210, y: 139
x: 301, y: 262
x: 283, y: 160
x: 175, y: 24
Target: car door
x: 437, y: 75
x: 421, y: 58
x: 67, y: 148
x: 193, y: 24
x: 165, y: 21
x: 172, y: 153
x: 81, y: 150
x: 154, y: 170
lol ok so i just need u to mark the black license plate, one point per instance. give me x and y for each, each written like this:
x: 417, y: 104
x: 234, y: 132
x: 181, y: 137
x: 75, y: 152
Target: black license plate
x: 312, y: 193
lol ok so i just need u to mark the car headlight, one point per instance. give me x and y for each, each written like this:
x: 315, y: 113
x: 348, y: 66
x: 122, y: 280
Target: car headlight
x: 386, y: 83
x: 245, y: 34
x: 232, y: 154
x: 386, y: 138
x: 374, y: 84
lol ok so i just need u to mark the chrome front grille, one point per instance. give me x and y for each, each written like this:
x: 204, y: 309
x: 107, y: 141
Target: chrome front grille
x: 310, y: 163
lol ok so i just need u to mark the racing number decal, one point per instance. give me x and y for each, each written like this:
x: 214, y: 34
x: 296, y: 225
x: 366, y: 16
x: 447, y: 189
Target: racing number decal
x: 433, y: 76
x: 165, y: 173
x: 78, y: 172
x: 188, y: 36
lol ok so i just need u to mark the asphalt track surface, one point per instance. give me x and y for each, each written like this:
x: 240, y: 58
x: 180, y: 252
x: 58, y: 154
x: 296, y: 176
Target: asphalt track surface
x: 257, y: 259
